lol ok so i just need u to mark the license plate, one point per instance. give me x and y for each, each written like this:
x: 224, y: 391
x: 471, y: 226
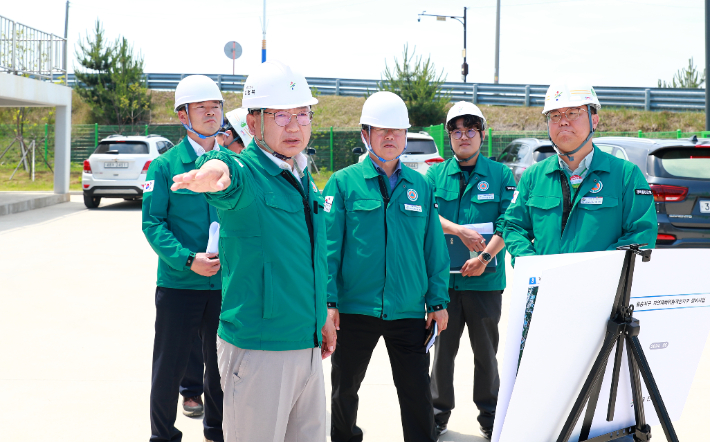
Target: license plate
x: 115, y: 165
x: 704, y: 206
x: 411, y: 165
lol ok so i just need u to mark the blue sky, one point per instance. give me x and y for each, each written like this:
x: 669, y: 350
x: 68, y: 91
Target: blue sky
x: 604, y: 42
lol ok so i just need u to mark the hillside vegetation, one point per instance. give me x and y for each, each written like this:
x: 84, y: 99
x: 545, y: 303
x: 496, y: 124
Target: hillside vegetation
x: 345, y: 112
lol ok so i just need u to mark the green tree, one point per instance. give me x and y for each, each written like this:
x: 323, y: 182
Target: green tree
x: 416, y: 81
x: 111, y: 81
x: 685, y: 78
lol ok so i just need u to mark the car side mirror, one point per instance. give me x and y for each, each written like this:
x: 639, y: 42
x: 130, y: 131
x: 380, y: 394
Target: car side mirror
x: 358, y: 151
x: 310, y: 151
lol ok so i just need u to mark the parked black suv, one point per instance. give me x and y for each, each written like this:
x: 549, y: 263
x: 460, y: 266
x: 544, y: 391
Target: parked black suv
x: 678, y: 172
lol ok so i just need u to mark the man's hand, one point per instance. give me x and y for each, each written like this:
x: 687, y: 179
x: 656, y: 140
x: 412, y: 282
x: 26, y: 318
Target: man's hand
x: 330, y: 336
x: 204, y: 264
x: 213, y: 176
x: 334, y: 314
x: 473, y: 267
x: 472, y: 239
x: 441, y: 317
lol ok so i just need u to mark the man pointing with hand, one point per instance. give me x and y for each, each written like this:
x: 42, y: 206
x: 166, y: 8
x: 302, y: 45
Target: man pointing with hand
x: 272, y: 246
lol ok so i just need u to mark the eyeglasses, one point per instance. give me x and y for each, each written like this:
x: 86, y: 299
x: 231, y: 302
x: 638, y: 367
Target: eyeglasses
x: 470, y: 133
x: 383, y: 131
x: 570, y: 114
x: 284, y: 118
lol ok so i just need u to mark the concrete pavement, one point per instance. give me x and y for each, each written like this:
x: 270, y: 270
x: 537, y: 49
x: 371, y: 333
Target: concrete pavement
x: 76, y: 320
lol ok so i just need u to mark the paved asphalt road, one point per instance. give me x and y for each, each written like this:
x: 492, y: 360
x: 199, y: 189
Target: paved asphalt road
x: 76, y: 320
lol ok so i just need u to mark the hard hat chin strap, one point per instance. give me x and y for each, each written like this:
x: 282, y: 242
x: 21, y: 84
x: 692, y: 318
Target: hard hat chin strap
x: 369, y: 147
x: 262, y: 143
x: 570, y: 155
x: 456, y: 157
x: 189, y: 126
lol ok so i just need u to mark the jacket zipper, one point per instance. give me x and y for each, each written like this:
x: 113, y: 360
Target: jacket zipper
x: 309, y: 223
x: 386, y: 200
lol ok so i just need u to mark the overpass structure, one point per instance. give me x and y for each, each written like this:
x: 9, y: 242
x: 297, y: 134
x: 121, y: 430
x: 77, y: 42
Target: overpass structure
x: 33, y: 74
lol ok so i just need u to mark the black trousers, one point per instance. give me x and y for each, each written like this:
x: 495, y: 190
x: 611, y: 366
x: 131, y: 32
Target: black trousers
x: 480, y: 311
x: 404, y: 338
x: 191, y: 384
x: 180, y: 314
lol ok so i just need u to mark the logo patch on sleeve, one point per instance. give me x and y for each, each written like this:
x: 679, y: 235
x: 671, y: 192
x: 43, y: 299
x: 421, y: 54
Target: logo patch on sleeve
x: 643, y: 192
x: 515, y: 197
x: 328, y: 204
x: 148, y: 186
x: 510, y: 188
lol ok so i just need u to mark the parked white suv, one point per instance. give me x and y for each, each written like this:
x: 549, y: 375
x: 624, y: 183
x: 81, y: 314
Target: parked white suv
x: 118, y: 167
x: 420, y: 154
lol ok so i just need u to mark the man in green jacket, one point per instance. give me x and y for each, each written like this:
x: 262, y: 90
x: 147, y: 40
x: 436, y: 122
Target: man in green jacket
x: 582, y: 199
x: 187, y: 297
x: 272, y: 245
x: 388, y: 266
x: 471, y: 189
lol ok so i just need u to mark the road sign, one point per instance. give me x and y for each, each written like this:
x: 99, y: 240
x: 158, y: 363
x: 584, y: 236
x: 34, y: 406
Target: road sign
x: 233, y: 50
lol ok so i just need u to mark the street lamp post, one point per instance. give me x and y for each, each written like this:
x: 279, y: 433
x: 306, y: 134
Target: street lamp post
x: 462, y: 20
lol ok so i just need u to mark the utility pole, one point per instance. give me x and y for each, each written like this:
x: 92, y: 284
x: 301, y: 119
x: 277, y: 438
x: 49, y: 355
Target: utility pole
x: 497, y: 72
x: 66, y: 34
x: 263, y: 36
x: 462, y: 20
x: 707, y: 64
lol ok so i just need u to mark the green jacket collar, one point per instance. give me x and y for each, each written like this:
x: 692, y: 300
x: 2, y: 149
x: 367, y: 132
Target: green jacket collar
x: 187, y: 153
x: 255, y: 153
x: 482, y: 167
x: 600, y: 163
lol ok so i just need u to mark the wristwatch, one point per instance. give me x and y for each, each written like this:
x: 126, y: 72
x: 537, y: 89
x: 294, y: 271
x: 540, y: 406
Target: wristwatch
x: 486, y: 257
x: 190, y: 259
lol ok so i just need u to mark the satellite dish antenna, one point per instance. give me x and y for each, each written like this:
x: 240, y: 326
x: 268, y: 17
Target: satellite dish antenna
x: 233, y: 50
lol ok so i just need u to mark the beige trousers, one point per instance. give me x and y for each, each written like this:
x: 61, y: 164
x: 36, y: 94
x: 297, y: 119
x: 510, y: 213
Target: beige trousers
x: 271, y: 396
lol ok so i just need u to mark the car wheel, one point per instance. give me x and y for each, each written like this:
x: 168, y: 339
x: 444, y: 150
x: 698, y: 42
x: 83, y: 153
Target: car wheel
x: 91, y: 202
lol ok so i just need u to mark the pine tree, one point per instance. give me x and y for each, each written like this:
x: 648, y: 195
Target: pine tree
x: 685, y: 78
x: 417, y: 82
x: 111, y: 81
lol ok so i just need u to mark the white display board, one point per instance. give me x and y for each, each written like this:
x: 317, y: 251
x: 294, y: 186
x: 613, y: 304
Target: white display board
x: 670, y: 293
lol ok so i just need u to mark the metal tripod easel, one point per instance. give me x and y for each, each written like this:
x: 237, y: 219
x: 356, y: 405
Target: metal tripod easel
x: 621, y: 328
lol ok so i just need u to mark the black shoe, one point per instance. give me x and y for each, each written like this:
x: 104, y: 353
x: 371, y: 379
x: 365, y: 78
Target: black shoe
x: 192, y: 406
x: 487, y: 432
x: 441, y: 429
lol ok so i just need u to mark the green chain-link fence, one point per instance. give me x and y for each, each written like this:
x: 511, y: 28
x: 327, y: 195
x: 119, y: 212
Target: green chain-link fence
x: 333, y: 145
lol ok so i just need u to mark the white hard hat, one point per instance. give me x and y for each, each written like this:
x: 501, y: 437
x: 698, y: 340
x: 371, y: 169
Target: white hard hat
x: 238, y: 119
x: 196, y: 88
x: 385, y: 109
x: 561, y: 95
x: 274, y: 85
x: 465, y: 108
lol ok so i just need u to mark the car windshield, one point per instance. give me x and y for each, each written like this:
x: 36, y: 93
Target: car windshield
x: 122, y: 147
x: 687, y: 163
x: 420, y: 147
x: 542, y: 152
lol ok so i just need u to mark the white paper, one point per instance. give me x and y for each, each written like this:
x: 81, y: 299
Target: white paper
x: 213, y: 241
x: 433, y: 337
x: 573, y: 304
x: 482, y: 228
x: 527, y: 273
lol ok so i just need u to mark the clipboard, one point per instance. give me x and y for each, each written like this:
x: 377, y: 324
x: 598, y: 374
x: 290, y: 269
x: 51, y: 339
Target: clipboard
x: 459, y: 254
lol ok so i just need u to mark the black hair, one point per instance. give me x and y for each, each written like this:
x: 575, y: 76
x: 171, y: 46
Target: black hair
x: 181, y: 108
x: 469, y: 121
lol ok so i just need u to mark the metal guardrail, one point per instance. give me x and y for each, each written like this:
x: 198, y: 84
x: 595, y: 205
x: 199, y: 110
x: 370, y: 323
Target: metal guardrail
x: 650, y: 99
x: 29, y: 51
